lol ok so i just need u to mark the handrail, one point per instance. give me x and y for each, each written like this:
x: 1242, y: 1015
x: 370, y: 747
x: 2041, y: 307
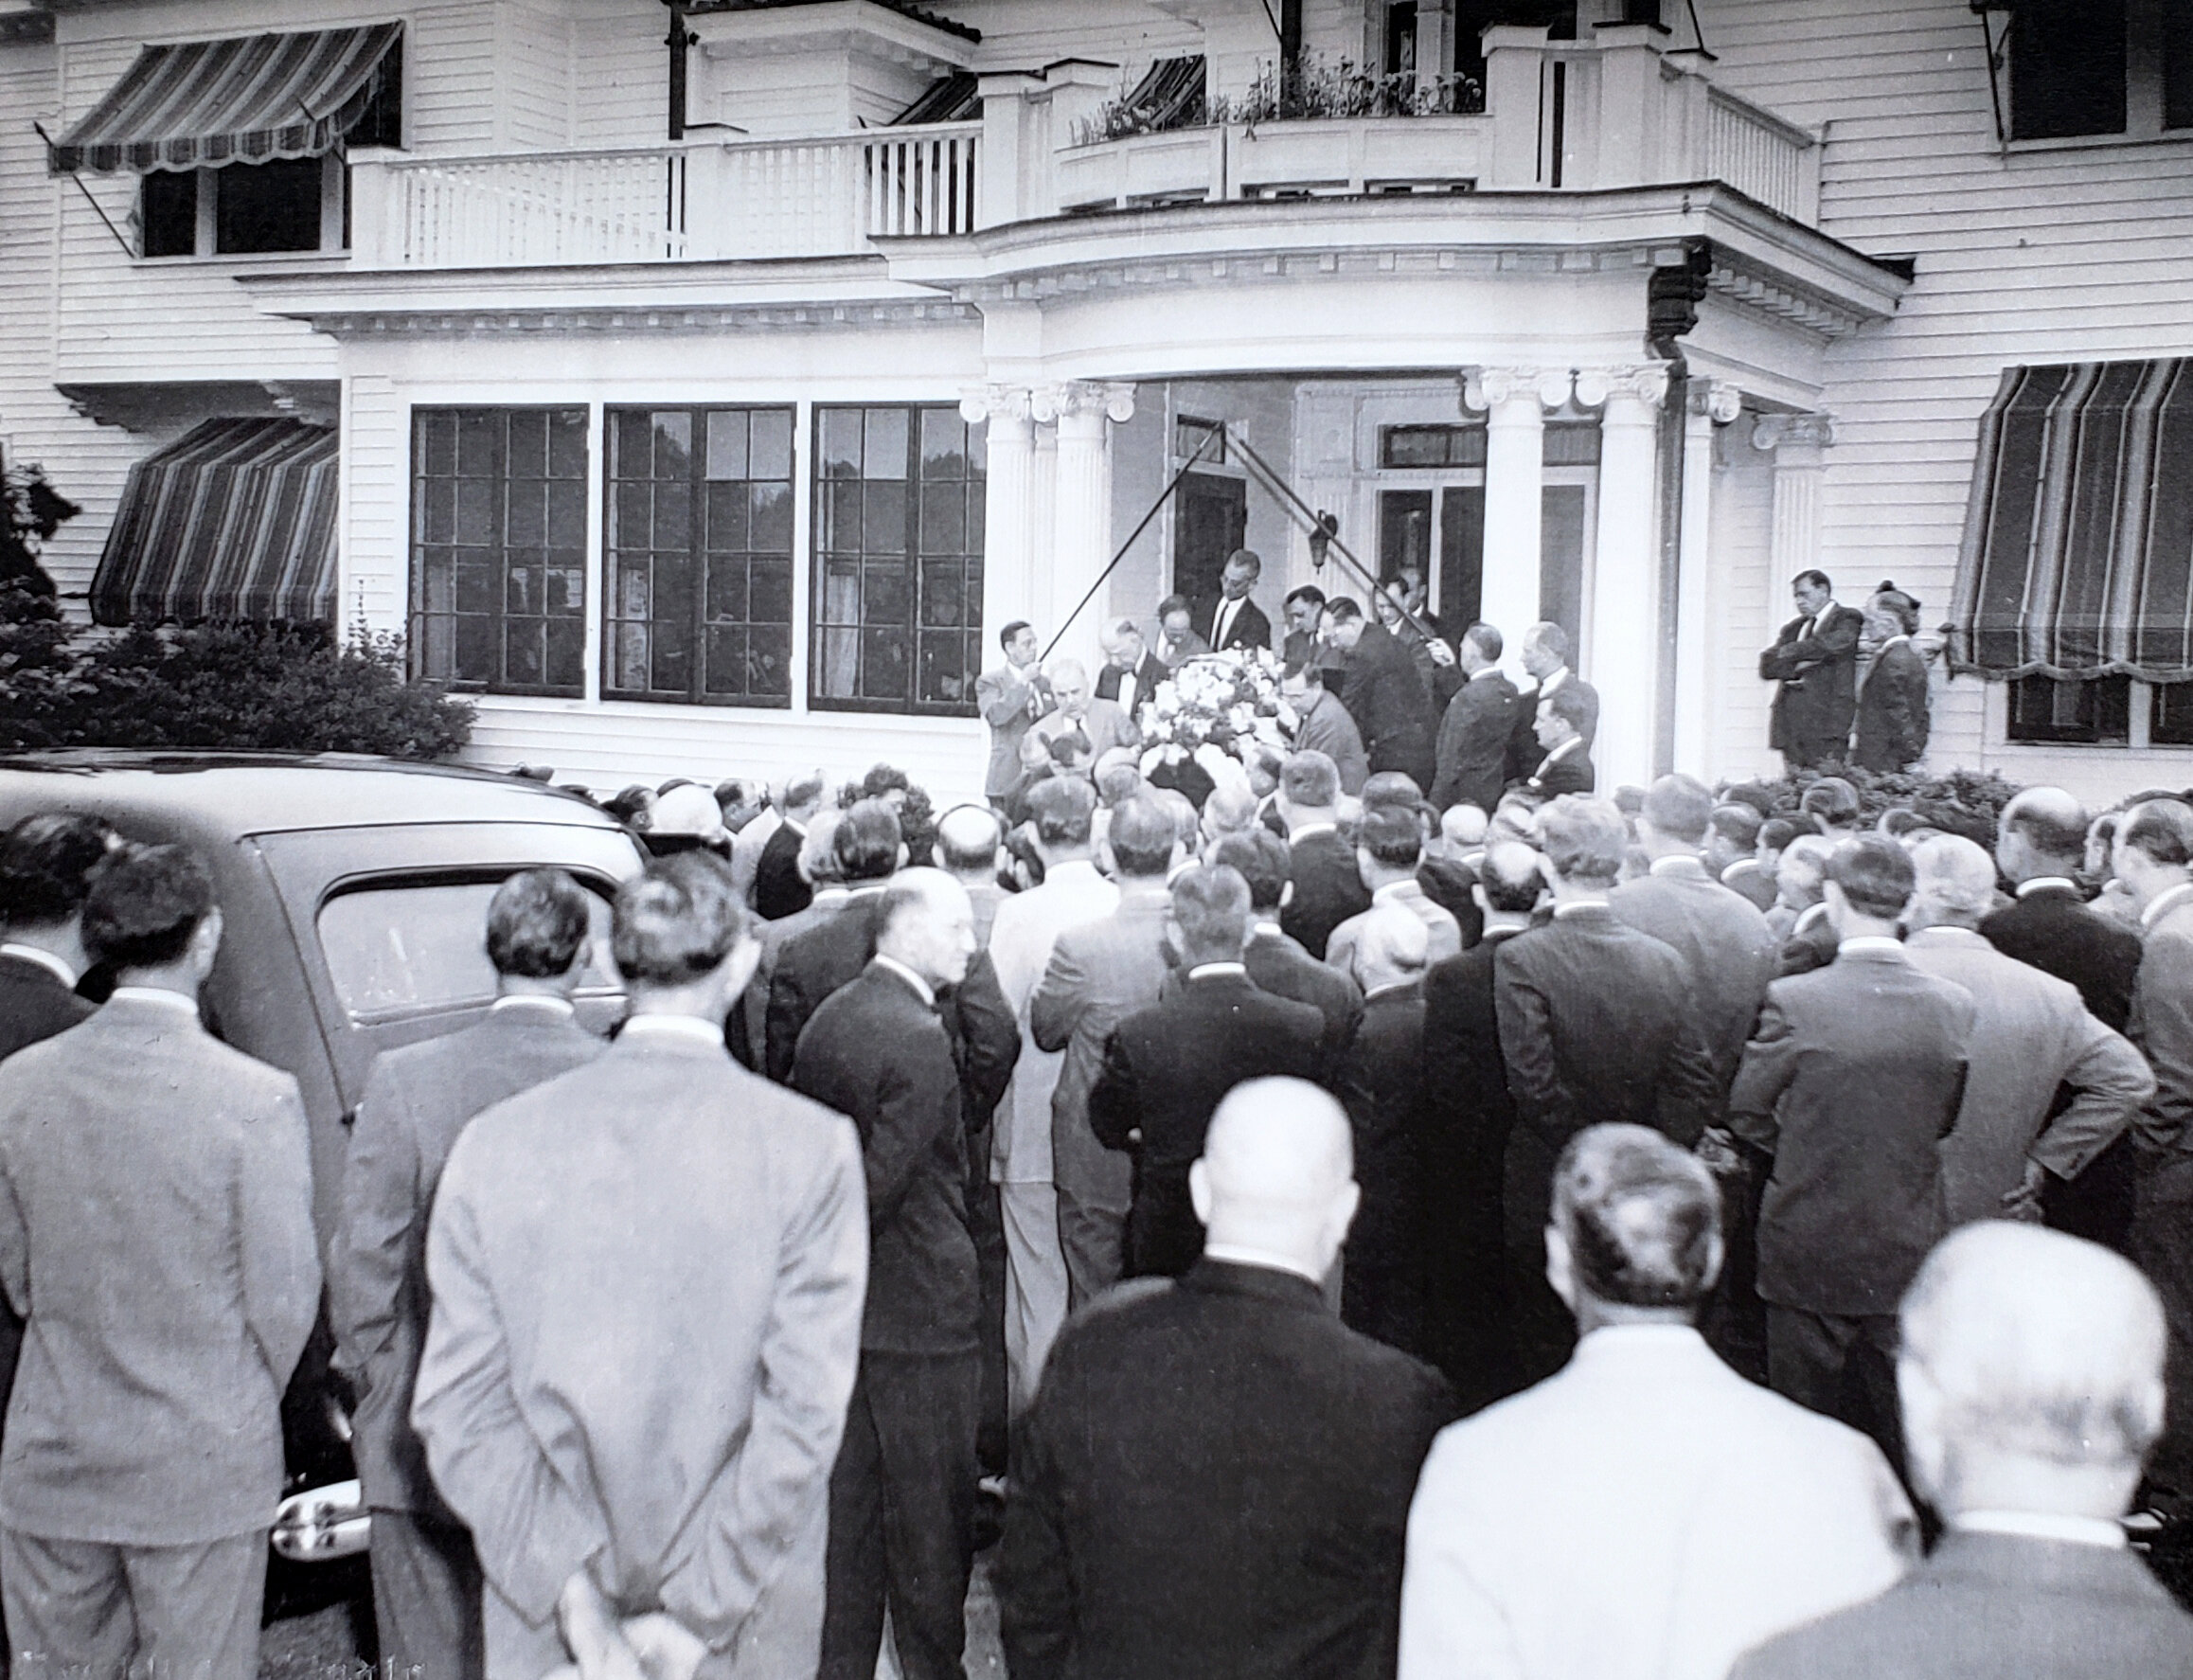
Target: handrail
x: 925, y: 130
x: 1795, y: 133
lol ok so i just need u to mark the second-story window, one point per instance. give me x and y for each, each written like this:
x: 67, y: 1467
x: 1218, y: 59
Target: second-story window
x: 243, y: 209
x: 2083, y: 68
x: 699, y: 550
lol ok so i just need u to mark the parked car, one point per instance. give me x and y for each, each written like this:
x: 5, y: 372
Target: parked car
x: 354, y: 893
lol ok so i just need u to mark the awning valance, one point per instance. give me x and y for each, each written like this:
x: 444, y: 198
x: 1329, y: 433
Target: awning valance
x: 236, y: 520
x: 2077, y: 557
x: 243, y: 100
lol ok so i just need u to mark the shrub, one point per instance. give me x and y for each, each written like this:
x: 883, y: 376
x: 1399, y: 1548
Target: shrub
x: 1979, y: 794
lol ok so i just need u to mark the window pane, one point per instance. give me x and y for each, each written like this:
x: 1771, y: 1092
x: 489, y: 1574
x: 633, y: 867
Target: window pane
x: 437, y: 511
x: 528, y: 523
x: 885, y: 454
x: 567, y: 443
x: 769, y: 661
x: 674, y: 445
x: 727, y: 443
x: 630, y: 455
x: 396, y: 950
x: 728, y: 659
x: 943, y: 519
x: 726, y: 510
x: 673, y: 515
x: 529, y: 446
x: 437, y: 434
x: 2067, y: 68
x: 566, y: 515
x: 769, y: 592
x: 727, y: 596
x: 168, y: 213
x: 841, y: 443
x: 2098, y: 712
x: 772, y: 443
x: 2171, y: 722
x: 884, y: 526
x: 841, y: 517
x: 479, y: 436
x: 884, y: 663
x: 475, y: 511
x: 943, y: 444
x: 770, y: 510
x: 267, y: 207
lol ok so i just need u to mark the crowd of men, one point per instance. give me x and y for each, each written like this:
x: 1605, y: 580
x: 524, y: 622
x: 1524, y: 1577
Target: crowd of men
x: 1317, y: 1233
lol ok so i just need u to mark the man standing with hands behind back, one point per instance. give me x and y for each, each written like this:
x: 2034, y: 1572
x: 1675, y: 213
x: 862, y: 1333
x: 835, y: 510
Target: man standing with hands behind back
x: 1815, y: 662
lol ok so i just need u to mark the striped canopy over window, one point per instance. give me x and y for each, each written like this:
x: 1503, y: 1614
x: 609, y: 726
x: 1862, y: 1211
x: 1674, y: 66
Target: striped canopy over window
x: 243, y: 100
x: 2078, y: 557
x: 236, y: 520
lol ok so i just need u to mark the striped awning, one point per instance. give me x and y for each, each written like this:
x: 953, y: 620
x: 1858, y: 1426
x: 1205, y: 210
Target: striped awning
x: 2078, y: 557
x: 236, y: 520
x: 243, y: 100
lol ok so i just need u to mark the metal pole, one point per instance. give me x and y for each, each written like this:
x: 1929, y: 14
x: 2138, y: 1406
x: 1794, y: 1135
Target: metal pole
x: 1142, y: 525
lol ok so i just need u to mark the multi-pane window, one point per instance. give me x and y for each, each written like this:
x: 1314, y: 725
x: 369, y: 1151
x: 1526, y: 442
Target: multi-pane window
x: 699, y: 555
x: 498, y: 547
x: 2099, y: 711
x: 2094, y: 67
x: 899, y: 496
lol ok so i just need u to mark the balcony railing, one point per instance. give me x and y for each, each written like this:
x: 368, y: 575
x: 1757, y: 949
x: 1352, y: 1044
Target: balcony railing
x: 1295, y: 159
x: 824, y: 197
x: 1759, y: 153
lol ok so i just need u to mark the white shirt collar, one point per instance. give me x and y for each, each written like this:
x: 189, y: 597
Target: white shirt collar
x: 155, y: 995
x: 1216, y: 968
x: 44, y: 959
x: 1397, y: 889
x: 2166, y: 902
x: 2044, y: 882
x: 1491, y: 670
x: 1553, y: 680
x: 2039, y: 1524
x: 1308, y: 829
x: 1270, y: 930
x: 1414, y: 983
x: 1950, y: 931
x: 1609, y: 1337
x: 1872, y: 942
x: 1679, y: 862
x: 1821, y: 617
x: 1240, y: 1255
x: 1808, y: 916
x: 533, y: 1000
x: 922, y: 988
x: 1741, y: 864
x: 1578, y: 908
x: 827, y: 896
x: 1890, y: 643
x: 1562, y: 751
x: 674, y: 1027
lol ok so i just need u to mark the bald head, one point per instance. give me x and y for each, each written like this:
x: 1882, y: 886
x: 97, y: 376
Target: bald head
x: 2031, y: 1373
x: 1463, y: 826
x: 1230, y: 810
x: 1278, y: 1173
x: 966, y: 841
x: 2043, y: 832
x: 1955, y: 883
x: 1509, y: 878
x: 1392, y: 948
x: 927, y: 924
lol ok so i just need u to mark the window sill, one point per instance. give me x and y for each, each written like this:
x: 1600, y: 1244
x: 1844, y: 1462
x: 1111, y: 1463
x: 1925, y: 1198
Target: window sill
x: 2110, y: 142
x: 248, y: 260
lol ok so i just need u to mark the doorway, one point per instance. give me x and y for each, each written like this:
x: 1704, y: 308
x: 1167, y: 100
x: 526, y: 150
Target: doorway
x: 1210, y: 522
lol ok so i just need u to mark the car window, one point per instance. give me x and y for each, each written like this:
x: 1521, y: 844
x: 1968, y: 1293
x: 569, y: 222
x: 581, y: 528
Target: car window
x: 413, y: 946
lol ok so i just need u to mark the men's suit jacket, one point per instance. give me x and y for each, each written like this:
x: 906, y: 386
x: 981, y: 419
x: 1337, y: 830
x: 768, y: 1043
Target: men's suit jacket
x: 1701, y: 1513
x: 1104, y: 724
x: 1249, y: 628
x: 1851, y: 1082
x: 156, y: 1233
x: 877, y: 1053
x: 778, y: 888
x: 35, y: 1003
x: 1474, y: 740
x: 1572, y: 772
x: 1726, y: 944
x: 1280, y: 965
x: 1327, y: 888
x: 417, y: 1100
x: 1383, y: 693
x: 1524, y: 754
x: 2162, y: 1026
x: 1892, y: 711
x: 1215, y: 1480
x: 1381, y: 1083
x: 1746, y: 878
x: 1148, y: 674
x: 746, y: 1030
x: 1597, y: 1023
x: 1466, y: 1087
x: 2051, y: 926
x: 1029, y: 925
x: 1447, y: 882
x: 1989, y: 1605
x: 1330, y: 727
x: 648, y: 1276
x: 1173, y: 655
x: 1009, y: 701
x: 1810, y: 943
x: 2032, y: 1037
x: 1817, y: 670
x: 1165, y: 1070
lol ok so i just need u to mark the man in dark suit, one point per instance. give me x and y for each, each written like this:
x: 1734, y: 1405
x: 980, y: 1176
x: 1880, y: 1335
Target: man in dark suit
x: 647, y: 1281
x: 1814, y: 661
x: 1383, y: 693
x: 1234, y: 621
x: 1893, y: 715
x: 1215, y: 1476
x: 901, y: 1504
x: 1851, y: 1083
x: 2039, y: 847
x: 780, y: 890
x: 426, y: 1580
x: 2031, y: 1386
x: 156, y: 1233
x: 1328, y: 885
x: 1469, y: 1114
x: 1597, y: 1024
x: 1380, y: 1082
x: 1166, y: 1067
x: 1545, y: 660
x: 1131, y: 672
x: 1732, y: 845
x: 1566, y: 765
x: 867, y: 849
x: 1480, y: 722
x: 45, y: 868
x: 1276, y: 963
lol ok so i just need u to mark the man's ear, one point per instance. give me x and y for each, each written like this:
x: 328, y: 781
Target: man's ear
x: 1199, y: 1190
x: 1286, y: 894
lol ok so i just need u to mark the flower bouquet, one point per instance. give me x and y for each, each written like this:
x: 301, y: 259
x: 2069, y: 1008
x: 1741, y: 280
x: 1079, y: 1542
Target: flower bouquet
x: 1223, y: 700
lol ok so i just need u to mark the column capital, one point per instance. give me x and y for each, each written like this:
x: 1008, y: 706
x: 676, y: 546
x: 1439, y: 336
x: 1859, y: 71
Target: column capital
x: 1113, y: 399
x: 1638, y: 382
x: 1771, y: 431
x: 982, y: 402
x: 1492, y: 387
x: 1716, y: 399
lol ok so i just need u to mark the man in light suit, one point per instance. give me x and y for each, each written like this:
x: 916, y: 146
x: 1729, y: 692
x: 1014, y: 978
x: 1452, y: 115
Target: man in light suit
x: 1081, y: 717
x: 1322, y: 724
x: 1813, y: 665
x: 1389, y: 850
x: 1098, y: 975
x: 639, y: 1434
x: 45, y: 869
x: 156, y: 1233
x: 2050, y: 1087
x: 1010, y: 699
x: 1130, y: 1547
x: 1851, y: 1083
x: 2031, y: 1382
x: 1029, y: 925
x: 1646, y: 1514
x: 426, y: 1581
x: 1480, y: 723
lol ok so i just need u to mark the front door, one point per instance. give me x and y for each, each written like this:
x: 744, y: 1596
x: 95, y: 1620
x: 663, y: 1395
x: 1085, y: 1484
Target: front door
x: 1209, y: 522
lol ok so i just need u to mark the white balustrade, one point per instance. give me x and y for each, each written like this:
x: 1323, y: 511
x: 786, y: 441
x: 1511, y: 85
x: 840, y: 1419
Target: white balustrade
x: 1761, y: 155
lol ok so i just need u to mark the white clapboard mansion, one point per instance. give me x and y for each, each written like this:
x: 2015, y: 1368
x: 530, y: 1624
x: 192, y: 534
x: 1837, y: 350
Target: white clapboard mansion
x: 703, y: 386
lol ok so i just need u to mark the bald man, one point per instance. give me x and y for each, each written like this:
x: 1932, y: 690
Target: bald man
x: 1082, y: 715
x: 1216, y: 1474
x: 2032, y: 1039
x: 2031, y: 1380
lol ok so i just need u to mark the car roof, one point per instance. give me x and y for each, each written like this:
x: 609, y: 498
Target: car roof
x: 273, y: 792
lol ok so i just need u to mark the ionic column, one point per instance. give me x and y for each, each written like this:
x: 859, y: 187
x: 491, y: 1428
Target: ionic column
x: 1621, y: 658
x: 1013, y: 586
x: 1711, y: 403
x: 1514, y: 401
x: 1081, y: 516
x: 1799, y: 444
